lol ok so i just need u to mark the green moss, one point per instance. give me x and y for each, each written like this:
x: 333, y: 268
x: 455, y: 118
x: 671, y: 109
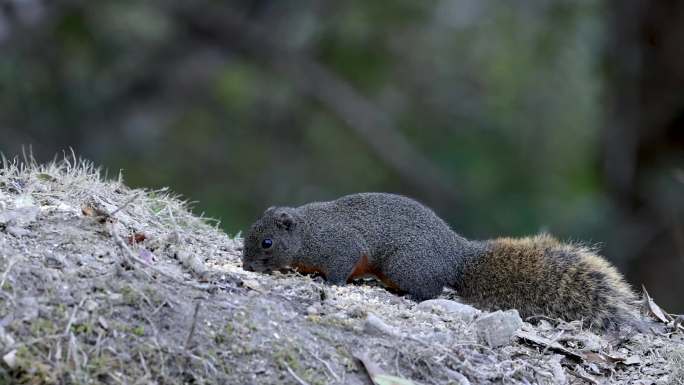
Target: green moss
x: 101, y: 365
x: 154, y: 295
x: 243, y: 323
x: 346, y: 358
x: 31, y: 369
x: 225, y: 335
x: 138, y: 331
x: 157, y: 206
x: 345, y: 324
x: 84, y: 328
x: 286, y: 357
x: 220, y: 339
x: 43, y: 327
x: 130, y: 296
x: 289, y: 356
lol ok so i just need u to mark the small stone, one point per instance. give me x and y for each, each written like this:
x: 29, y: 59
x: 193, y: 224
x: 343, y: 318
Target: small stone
x: 498, y: 328
x: 192, y: 262
x: 11, y: 359
x: 24, y: 200
x: 375, y: 325
x: 115, y: 297
x: 17, y: 231
x: 20, y: 217
x: 61, y: 206
x: 356, y: 312
x: 55, y: 260
x: 90, y: 305
x: 27, y: 308
x: 632, y: 360
x: 459, y: 310
x: 103, y: 323
x: 252, y: 284
x: 312, y: 310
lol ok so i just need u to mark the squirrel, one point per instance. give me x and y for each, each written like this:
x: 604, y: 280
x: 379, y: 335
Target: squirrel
x: 409, y: 248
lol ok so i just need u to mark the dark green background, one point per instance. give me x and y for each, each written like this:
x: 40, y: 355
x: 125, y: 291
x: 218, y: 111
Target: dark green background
x: 519, y: 118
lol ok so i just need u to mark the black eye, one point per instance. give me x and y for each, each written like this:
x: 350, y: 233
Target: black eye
x: 266, y: 243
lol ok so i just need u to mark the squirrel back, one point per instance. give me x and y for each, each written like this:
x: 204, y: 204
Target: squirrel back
x: 409, y: 248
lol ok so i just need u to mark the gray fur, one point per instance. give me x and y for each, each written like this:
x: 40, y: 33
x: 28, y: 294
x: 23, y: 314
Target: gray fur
x: 397, y: 234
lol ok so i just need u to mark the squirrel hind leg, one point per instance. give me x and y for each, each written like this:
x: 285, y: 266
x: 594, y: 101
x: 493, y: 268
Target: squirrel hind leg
x: 414, y: 278
x: 622, y: 326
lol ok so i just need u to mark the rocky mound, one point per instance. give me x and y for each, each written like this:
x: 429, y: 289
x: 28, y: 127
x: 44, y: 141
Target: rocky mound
x: 100, y: 283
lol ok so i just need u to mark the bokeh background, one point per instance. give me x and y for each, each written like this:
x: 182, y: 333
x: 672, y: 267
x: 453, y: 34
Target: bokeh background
x: 509, y: 118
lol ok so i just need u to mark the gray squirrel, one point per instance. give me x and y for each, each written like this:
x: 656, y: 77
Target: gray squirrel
x: 409, y: 248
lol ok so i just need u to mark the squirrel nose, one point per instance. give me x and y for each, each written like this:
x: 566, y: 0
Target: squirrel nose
x: 247, y: 267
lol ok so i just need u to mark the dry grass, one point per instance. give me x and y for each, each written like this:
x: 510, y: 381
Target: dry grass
x: 77, y: 182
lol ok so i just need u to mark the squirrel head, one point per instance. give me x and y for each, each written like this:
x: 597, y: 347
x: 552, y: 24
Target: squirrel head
x: 272, y: 241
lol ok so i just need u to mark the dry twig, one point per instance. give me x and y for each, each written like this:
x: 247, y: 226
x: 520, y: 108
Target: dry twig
x: 294, y: 375
x: 188, y: 341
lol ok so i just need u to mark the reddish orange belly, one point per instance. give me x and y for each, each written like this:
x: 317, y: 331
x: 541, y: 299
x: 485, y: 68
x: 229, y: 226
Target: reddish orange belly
x: 364, y: 268
x: 308, y: 269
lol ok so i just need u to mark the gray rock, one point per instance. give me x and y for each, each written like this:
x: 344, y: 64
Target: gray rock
x: 460, y: 310
x: 20, y: 217
x: 10, y: 359
x: 498, y: 328
x: 27, y: 309
x: 356, y: 312
x: 375, y: 325
x: 17, y: 231
x: 313, y: 310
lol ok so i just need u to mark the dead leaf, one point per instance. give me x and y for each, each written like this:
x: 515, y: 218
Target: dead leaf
x: 97, y: 213
x: 377, y: 376
x: 136, y: 238
x: 598, y: 358
x: 653, y: 309
x: 547, y: 343
x: 602, y: 358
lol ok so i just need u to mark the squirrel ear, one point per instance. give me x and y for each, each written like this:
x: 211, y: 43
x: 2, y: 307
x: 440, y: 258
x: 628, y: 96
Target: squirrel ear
x: 285, y: 220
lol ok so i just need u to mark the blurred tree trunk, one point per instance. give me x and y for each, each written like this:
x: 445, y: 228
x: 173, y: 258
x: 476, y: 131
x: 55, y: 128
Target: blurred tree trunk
x: 643, y: 143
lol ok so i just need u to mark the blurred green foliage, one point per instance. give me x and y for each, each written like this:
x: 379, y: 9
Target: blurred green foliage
x: 504, y: 98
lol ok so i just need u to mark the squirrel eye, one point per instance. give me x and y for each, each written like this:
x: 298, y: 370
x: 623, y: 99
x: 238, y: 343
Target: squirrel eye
x: 267, y: 243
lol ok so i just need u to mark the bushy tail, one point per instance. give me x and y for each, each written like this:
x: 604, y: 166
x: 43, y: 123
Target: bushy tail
x: 541, y: 276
